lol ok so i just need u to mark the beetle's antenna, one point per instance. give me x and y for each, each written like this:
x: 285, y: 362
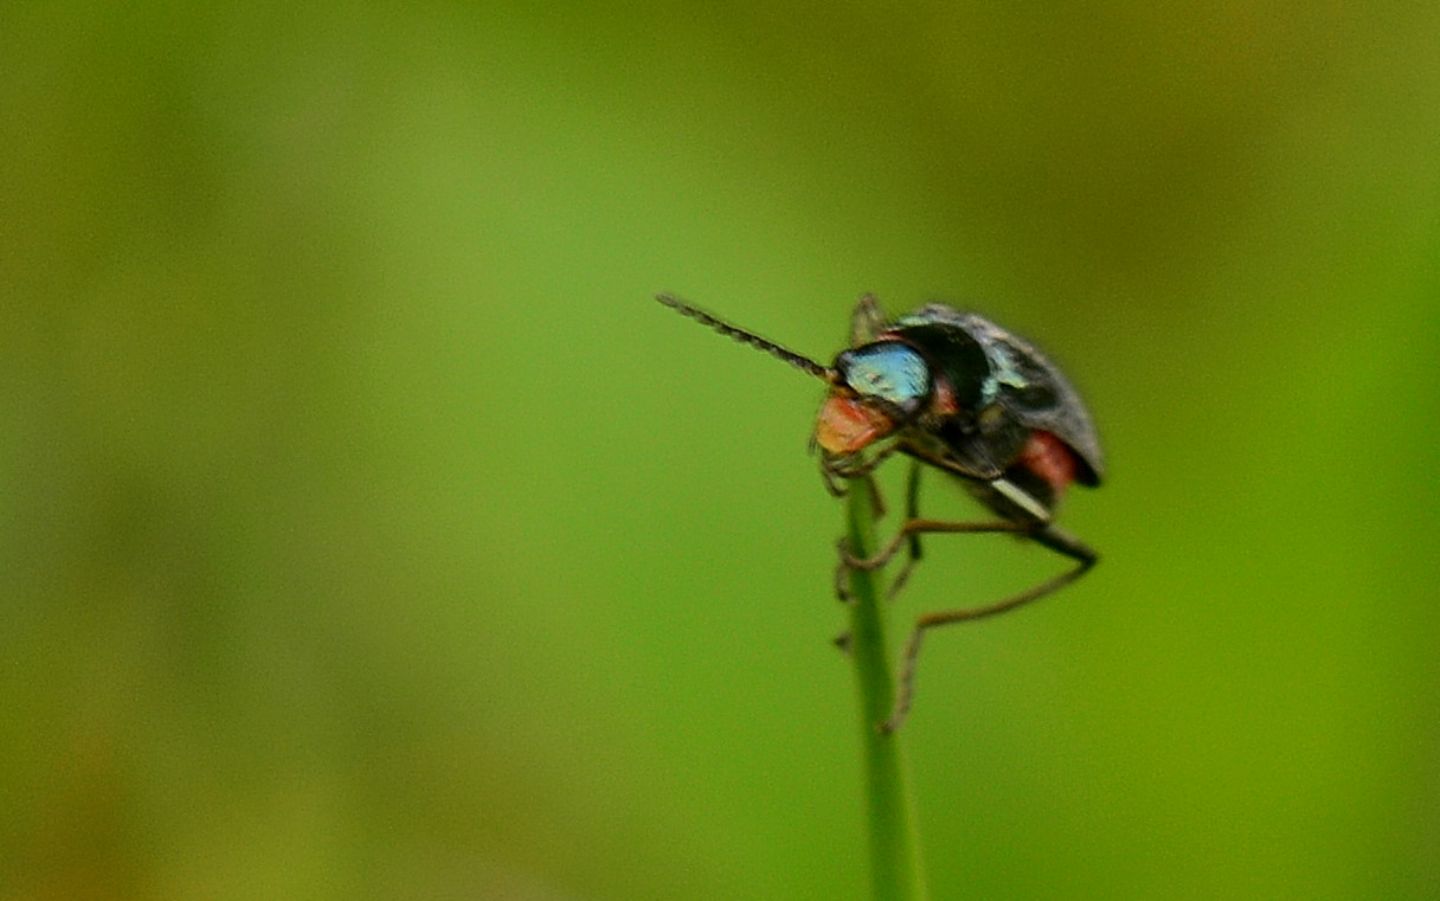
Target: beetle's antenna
x: 750, y: 338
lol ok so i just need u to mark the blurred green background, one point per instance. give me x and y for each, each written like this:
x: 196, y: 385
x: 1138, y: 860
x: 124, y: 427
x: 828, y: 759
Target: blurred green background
x: 367, y: 531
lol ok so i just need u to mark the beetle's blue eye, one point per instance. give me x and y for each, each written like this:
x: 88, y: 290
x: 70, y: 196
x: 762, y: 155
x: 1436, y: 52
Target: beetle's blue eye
x: 888, y: 370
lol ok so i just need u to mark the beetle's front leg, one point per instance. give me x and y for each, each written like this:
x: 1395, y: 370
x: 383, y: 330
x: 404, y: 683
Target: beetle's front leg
x: 834, y: 471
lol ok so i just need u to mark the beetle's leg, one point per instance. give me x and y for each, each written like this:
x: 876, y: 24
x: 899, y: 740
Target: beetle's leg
x: 1022, y: 514
x: 1052, y: 537
x: 877, y: 500
x: 866, y: 321
x: 912, y: 512
x: 913, y: 527
x: 842, y: 575
x: 834, y: 472
x: 842, y: 566
x: 876, y: 497
x: 908, y: 530
x: 856, y: 465
x: 832, y: 479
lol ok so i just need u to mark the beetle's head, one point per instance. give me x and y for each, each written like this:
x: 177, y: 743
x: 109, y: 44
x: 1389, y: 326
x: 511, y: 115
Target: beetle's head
x: 876, y: 389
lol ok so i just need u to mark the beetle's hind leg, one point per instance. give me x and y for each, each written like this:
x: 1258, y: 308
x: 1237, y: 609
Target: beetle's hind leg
x: 1052, y: 537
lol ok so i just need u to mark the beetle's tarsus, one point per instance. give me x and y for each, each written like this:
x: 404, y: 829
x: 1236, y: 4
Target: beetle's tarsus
x: 901, y: 578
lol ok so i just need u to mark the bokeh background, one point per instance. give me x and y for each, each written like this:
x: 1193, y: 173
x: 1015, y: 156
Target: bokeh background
x: 366, y: 531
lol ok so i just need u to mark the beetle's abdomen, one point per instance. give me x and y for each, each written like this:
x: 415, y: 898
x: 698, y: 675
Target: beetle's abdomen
x: 1045, y: 467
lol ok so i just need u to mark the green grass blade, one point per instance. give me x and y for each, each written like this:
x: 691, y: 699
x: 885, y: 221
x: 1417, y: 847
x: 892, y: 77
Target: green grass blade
x: 894, y: 844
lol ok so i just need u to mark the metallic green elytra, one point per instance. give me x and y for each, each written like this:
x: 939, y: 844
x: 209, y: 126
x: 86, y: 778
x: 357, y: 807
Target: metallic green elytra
x: 957, y: 393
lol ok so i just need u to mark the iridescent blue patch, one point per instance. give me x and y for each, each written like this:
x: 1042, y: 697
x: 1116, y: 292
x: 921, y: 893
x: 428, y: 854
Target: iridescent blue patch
x: 888, y: 370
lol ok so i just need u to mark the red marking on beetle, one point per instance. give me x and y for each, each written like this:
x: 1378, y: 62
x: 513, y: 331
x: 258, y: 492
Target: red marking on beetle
x: 847, y: 425
x: 1050, y: 459
x: 943, y: 399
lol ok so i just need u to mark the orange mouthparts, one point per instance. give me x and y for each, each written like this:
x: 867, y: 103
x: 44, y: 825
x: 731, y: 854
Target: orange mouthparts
x: 847, y: 426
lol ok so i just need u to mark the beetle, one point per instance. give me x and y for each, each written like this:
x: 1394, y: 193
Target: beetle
x: 955, y: 392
